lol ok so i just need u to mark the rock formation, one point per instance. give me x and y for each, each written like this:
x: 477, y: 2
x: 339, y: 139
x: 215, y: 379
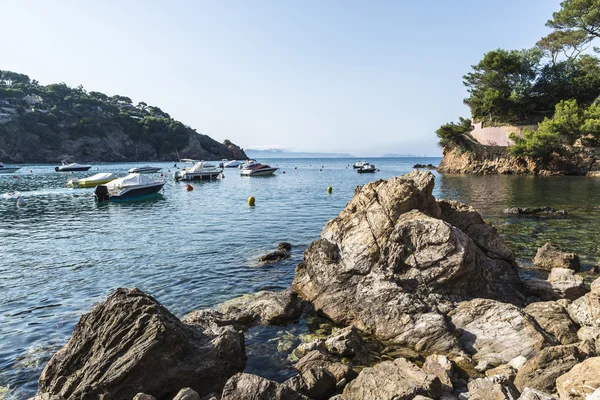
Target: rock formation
x: 131, y: 343
x: 549, y: 256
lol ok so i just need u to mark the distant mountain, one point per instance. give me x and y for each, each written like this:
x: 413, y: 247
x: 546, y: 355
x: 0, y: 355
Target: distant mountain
x: 49, y: 123
x: 399, y: 155
x: 278, y: 153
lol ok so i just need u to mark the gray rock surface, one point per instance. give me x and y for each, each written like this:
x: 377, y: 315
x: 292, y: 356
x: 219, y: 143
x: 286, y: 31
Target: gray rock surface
x: 316, y: 358
x: 532, y: 394
x: 393, y: 380
x: 315, y: 382
x: 247, y: 386
x: 505, y: 370
x: 496, y: 332
x: 586, y: 309
x: 492, y: 388
x: 549, y: 256
x: 389, y: 265
x: 187, y: 394
x: 441, y: 367
x: 562, y: 283
x: 143, y: 396
x: 582, y: 380
x: 554, y: 320
x: 266, y: 308
x: 535, y: 211
x: 345, y: 342
x: 131, y: 343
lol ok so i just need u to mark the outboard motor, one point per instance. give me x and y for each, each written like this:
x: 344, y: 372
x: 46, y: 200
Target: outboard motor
x: 101, y: 193
x: 56, y: 169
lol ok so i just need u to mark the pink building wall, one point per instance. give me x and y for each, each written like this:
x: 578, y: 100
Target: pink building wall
x: 498, y: 135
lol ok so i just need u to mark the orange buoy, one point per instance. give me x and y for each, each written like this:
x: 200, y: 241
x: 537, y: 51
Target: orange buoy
x: 189, y: 187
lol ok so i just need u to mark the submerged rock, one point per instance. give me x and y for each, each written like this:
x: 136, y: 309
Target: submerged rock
x: 261, y: 308
x: 535, y: 211
x: 425, y: 166
x: 247, y: 386
x: 390, y: 264
x: 495, y: 333
x: 549, y: 256
x: 393, y: 380
x: 130, y: 343
x: 282, y: 252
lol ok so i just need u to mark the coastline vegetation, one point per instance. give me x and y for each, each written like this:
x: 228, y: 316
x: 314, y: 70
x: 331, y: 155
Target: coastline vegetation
x: 555, y: 84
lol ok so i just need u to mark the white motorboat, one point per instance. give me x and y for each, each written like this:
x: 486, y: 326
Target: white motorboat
x: 258, y: 169
x: 144, y: 170
x: 8, y: 170
x: 202, y: 170
x: 248, y: 163
x: 65, y: 167
x: 360, y: 164
x: 367, y: 168
x: 130, y: 187
x: 93, y: 180
x: 233, y: 164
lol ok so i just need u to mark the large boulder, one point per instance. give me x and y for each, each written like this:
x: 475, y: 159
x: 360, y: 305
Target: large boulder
x: 582, y: 380
x: 495, y: 333
x: 586, y: 309
x: 264, y: 308
x: 130, y: 343
x: 532, y: 394
x: 549, y: 256
x: 320, y: 359
x: 315, y: 382
x: 562, y: 283
x: 540, y: 372
x: 441, y: 367
x: 390, y: 264
x: 393, y: 380
x: 555, y: 320
x: 247, y: 386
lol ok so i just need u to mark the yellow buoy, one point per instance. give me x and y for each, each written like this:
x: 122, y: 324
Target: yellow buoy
x: 329, y: 189
x: 251, y: 201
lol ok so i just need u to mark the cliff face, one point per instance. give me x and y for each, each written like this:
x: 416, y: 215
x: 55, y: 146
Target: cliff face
x: 474, y: 158
x: 110, y: 142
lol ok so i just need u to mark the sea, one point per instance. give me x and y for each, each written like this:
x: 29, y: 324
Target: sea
x: 62, y: 253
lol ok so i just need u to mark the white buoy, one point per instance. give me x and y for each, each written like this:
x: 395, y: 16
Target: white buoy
x: 20, y: 202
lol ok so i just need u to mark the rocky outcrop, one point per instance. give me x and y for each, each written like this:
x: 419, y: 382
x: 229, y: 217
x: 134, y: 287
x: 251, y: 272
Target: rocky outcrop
x: 237, y: 153
x: 394, y: 259
x: 554, y: 320
x: 472, y: 157
x: 247, y: 386
x: 582, y: 380
x: 282, y: 252
x: 586, y: 309
x: 320, y: 359
x: 393, y: 380
x: 424, y: 166
x: 494, y: 333
x: 261, y: 308
x: 131, y: 343
x: 549, y: 256
x: 315, y: 382
x: 541, y: 371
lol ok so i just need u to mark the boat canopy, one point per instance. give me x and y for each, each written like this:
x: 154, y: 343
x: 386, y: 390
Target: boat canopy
x: 101, y: 176
x: 200, y: 166
x: 130, y: 180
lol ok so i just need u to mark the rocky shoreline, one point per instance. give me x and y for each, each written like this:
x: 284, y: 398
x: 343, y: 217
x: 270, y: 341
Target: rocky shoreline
x: 474, y: 158
x: 428, y: 303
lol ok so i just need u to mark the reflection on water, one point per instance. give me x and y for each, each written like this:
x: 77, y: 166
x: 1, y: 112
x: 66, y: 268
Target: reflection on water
x: 62, y: 252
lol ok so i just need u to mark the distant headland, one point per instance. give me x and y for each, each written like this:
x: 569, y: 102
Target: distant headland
x: 49, y: 123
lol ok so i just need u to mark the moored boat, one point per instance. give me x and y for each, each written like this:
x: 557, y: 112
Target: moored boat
x: 144, y: 170
x: 72, y: 167
x: 93, y: 180
x: 367, y: 168
x: 7, y: 170
x: 258, y: 169
x: 130, y: 187
x: 360, y: 164
x: 202, y: 170
x: 233, y: 164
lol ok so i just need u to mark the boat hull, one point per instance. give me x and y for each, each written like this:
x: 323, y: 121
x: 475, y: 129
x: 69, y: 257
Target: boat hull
x: 72, y: 169
x: 8, y: 170
x: 197, y: 176
x: 366, y: 171
x: 127, y: 193
x: 261, y: 172
x: 144, y: 170
x: 83, y: 184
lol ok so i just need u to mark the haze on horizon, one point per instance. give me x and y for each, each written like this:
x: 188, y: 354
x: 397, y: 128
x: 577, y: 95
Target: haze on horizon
x: 366, y: 78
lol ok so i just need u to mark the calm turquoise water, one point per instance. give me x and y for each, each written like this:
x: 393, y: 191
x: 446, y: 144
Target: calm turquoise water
x: 62, y: 253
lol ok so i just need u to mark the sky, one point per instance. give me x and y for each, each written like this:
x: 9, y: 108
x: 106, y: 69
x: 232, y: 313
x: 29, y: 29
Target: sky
x: 361, y: 77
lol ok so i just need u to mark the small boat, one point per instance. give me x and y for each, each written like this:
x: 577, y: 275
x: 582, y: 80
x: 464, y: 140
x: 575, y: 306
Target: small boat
x: 248, y: 163
x: 144, y: 170
x: 8, y: 170
x: 202, y: 170
x: 360, y: 164
x: 258, y: 169
x: 367, y: 168
x: 93, y: 180
x: 130, y: 187
x: 233, y: 164
x: 72, y: 167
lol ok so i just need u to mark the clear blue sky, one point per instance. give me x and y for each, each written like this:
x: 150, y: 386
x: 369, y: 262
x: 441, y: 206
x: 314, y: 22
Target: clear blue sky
x: 363, y: 77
